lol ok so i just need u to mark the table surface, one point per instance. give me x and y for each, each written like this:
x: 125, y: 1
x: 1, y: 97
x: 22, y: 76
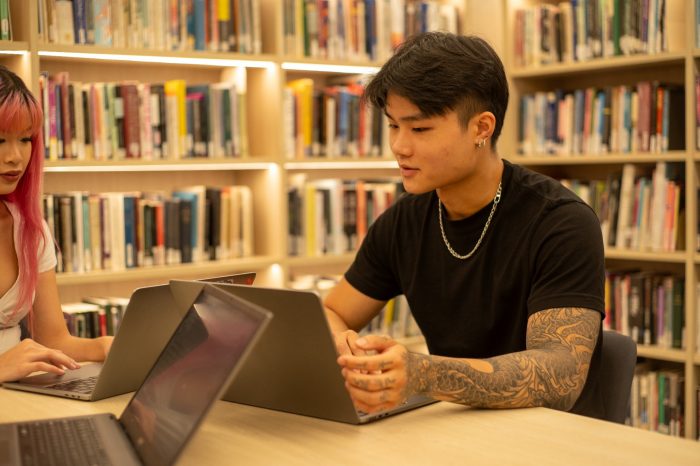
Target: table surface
x: 443, y: 432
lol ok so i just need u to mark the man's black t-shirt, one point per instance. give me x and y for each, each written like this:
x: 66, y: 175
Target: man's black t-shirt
x: 543, y: 250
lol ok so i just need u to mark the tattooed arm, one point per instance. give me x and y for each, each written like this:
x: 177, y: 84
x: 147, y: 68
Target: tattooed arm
x: 550, y: 372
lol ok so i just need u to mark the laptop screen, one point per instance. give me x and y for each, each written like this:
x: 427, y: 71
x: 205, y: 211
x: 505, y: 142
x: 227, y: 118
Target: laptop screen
x: 189, y: 374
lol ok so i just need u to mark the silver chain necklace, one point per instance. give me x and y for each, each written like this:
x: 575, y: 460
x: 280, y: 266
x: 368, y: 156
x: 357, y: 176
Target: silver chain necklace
x: 496, y: 200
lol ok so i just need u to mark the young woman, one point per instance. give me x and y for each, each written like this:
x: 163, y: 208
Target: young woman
x: 27, y: 257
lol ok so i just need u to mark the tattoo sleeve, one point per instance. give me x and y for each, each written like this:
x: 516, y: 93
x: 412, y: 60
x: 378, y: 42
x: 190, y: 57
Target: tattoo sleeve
x: 551, y: 372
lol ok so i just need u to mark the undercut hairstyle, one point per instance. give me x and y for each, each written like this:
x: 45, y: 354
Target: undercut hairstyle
x: 440, y: 72
x: 20, y: 112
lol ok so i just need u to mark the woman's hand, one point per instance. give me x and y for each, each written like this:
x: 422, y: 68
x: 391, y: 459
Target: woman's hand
x: 29, y: 356
x: 105, y: 343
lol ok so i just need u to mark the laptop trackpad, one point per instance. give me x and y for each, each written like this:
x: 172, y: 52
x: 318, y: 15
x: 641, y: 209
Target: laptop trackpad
x: 87, y: 370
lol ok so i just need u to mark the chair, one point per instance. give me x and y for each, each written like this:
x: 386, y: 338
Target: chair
x: 618, y: 359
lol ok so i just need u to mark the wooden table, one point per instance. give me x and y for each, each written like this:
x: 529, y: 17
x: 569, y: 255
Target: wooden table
x: 442, y: 433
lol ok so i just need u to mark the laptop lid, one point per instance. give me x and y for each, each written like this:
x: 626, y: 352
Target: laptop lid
x: 149, y: 320
x: 206, y: 350
x: 299, y: 345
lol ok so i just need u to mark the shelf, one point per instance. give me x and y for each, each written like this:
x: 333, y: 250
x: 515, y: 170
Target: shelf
x: 664, y: 354
x: 137, y: 165
x: 170, y: 271
x: 316, y: 65
x: 340, y: 163
x: 161, y: 57
x: 612, y: 159
x: 678, y: 257
x: 612, y: 63
x: 12, y: 47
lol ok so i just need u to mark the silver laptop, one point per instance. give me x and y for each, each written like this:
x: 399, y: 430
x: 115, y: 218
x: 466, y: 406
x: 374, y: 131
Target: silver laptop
x: 209, y: 346
x: 149, y: 320
x: 294, y: 367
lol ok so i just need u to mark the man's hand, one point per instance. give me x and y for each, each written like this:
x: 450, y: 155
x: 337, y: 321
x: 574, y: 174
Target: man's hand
x: 345, y: 343
x: 29, y: 356
x: 377, y: 380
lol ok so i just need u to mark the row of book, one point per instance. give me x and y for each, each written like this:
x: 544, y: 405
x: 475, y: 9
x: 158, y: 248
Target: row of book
x: 580, y: 30
x: 221, y: 25
x: 649, y: 307
x: 657, y: 400
x: 131, y: 120
x: 332, y: 121
x: 638, y: 210
x: 360, y: 29
x: 95, y: 316
x: 331, y: 216
x: 117, y: 231
x: 646, y: 117
x: 395, y: 318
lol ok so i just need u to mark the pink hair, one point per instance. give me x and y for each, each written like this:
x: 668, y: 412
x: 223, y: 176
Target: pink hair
x: 20, y: 112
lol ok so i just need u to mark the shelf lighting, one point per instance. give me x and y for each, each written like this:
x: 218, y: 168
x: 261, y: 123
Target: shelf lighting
x: 340, y: 165
x: 13, y: 52
x: 328, y: 68
x: 172, y: 60
x: 170, y: 167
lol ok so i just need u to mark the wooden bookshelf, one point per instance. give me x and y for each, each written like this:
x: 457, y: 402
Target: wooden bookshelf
x: 267, y: 170
x: 676, y: 65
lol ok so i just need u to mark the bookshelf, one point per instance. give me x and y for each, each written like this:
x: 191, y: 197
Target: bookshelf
x: 267, y: 169
x: 258, y: 169
x: 677, y: 64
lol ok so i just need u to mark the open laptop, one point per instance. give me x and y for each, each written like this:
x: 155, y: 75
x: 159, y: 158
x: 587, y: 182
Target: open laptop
x: 294, y: 367
x: 209, y: 346
x: 149, y: 320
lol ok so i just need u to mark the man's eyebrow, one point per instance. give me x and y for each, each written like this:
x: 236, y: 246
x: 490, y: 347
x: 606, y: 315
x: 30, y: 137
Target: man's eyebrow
x: 408, y: 118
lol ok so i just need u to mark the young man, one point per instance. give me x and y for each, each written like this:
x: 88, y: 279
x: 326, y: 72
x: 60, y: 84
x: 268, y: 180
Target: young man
x: 502, y: 267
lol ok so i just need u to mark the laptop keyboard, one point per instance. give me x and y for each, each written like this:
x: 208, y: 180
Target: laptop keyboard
x: 86, y: 385
x: 61, y: 442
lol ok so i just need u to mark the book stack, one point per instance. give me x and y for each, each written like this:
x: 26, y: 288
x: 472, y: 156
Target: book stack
x: 580, y: 30
x: 361, y: 29
x: 331, y: 122
x: 331, y: 216
x: 639, y: 209
x: 648, y: 307
x: 648, y: 117
x: 133, y: 120
x: 123, y: 230
x: 223, y: 25
x: 95, y: 316
x: 656, y: 401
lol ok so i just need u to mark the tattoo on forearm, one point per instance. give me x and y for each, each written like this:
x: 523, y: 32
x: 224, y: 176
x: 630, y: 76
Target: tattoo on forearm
x: 551, y: 372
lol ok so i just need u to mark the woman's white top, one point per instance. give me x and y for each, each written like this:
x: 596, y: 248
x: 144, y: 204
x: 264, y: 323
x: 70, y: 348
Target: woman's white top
x: 9, y: 326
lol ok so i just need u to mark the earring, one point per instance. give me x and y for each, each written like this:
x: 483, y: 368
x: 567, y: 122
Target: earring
x: 481, y: 143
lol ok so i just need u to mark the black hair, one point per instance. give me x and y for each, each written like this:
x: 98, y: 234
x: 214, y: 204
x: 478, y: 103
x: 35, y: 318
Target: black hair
x: 12, y: 86
x: 441, y: 72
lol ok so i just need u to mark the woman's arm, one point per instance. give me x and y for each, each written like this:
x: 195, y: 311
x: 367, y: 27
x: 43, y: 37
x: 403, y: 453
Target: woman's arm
x: 50, y: 328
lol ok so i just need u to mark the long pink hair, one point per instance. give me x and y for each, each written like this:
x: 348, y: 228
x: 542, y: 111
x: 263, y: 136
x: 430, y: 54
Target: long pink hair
x: 19, y: 111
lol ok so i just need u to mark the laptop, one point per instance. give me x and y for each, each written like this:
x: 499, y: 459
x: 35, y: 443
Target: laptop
x: 209, y: 346
x: 149, y: 320
x: 294, y: 367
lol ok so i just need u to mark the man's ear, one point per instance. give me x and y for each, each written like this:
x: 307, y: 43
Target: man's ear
x: 485, y: 123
